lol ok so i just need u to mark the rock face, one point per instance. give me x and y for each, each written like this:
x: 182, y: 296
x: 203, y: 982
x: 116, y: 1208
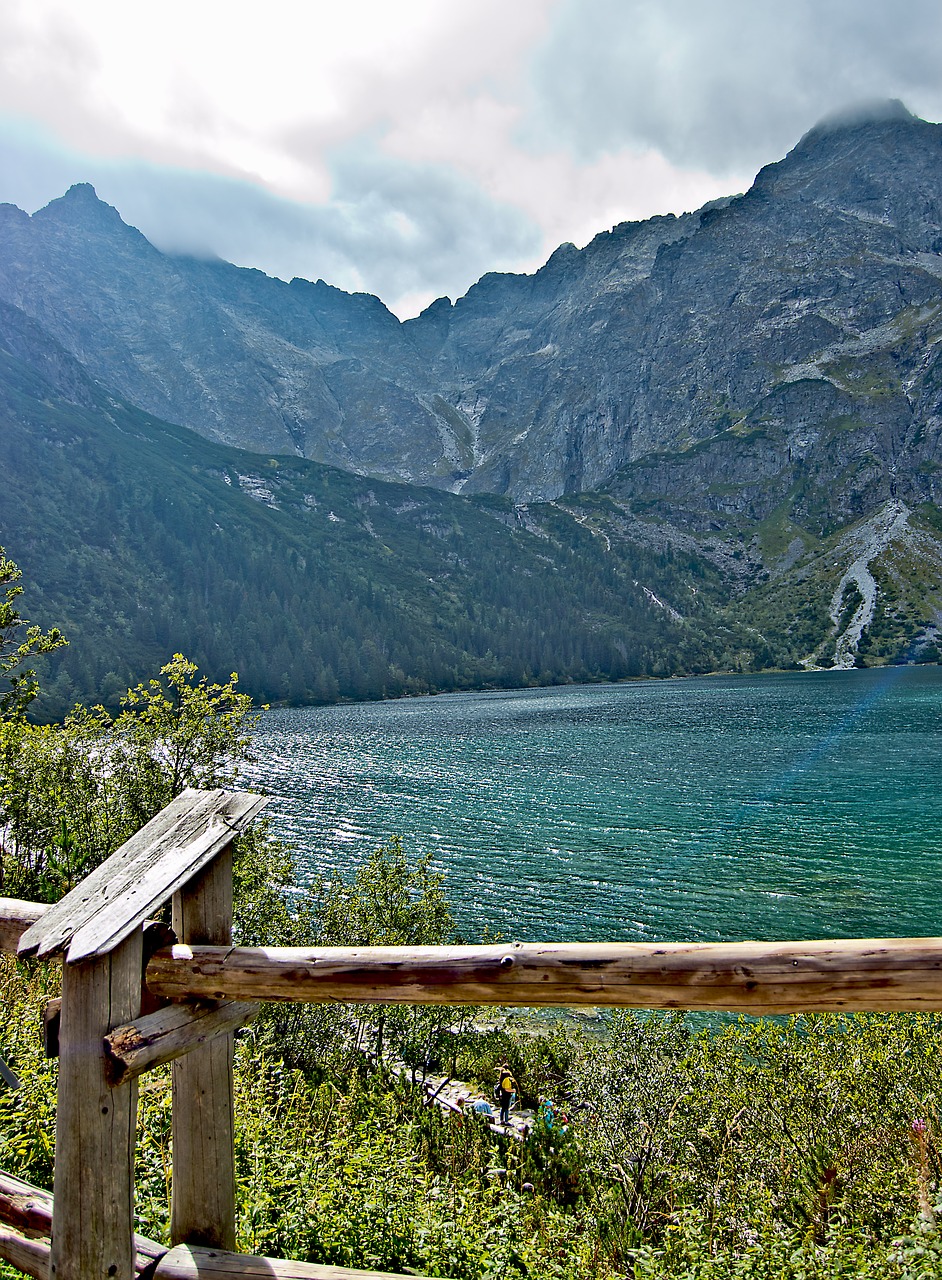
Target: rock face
x: 776, y: 348
x: 796, y: 324
x: 24, y: 339
x: 295, y: 368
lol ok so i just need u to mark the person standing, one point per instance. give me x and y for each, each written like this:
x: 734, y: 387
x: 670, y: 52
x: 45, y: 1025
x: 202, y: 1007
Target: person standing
x: 506, y: 1088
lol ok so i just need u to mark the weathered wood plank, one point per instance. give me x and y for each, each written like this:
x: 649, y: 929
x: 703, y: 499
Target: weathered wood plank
x: 92, y: 1228
x: 15, y: 918
x: 194, y: 1263
x: 24, y: 1209
x: 170, y: 1033
x: 55, y: 929
x: 27, y: 1255
x: 140, y: 876
x: 753, y: 977
x: 203, y: 1202
x: 29, y: 1210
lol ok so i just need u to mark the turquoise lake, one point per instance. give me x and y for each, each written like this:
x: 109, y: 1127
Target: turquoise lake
x: 776, y: 806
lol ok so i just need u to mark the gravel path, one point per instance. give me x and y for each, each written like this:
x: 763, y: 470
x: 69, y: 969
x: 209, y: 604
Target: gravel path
x: 459, y: 1097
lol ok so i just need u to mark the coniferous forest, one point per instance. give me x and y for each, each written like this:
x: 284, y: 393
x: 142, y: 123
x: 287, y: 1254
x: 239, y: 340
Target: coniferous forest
x: 316, y: 585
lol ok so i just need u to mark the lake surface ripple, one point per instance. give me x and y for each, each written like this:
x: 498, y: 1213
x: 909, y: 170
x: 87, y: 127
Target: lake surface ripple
x: 776, y: 806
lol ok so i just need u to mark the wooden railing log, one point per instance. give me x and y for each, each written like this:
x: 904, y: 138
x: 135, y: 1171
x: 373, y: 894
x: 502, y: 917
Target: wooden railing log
x: 26, y: 1214
x: 194, y: 1263
x: 29, y: 1210
x: 203, y: 1201
x: 27, y: 1255
x: 752, y: 977
x: 185, y: 1262
x: 15, y: 918
x: 170, y: 1033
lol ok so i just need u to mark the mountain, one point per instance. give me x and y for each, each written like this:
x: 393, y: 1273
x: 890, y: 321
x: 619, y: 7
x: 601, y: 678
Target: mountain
x: 753, y: 389
x: 812, y: 298
x: 140, y: 537
x: 304, y: 368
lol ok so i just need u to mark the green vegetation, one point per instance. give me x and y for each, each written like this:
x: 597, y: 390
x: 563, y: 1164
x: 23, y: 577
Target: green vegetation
x: 321, y: 586
x: 23, y: 687
x: 777, y: 534
x: 793, y: 606
x: 808, y: 1147
x: 763, y: 1149
x: 314, y: 584
x: 873, y: 380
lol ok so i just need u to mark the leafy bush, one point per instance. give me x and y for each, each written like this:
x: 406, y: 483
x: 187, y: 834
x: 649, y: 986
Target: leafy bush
x: 808, y: 1147
x: 71, y: 794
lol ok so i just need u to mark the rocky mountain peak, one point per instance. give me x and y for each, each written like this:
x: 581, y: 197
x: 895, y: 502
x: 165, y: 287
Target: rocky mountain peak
x: 867, y: 123
x: 860, y: 114
x: 813, y: 299
x: 876, y: 158
x: 80, y: 208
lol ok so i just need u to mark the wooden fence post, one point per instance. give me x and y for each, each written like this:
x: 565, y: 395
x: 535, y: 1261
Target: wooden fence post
x: 203, y: 1204
x: 93, y: 1219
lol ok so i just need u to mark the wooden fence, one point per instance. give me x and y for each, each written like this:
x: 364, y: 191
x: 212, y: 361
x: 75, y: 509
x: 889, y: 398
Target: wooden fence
x: 136, y: 994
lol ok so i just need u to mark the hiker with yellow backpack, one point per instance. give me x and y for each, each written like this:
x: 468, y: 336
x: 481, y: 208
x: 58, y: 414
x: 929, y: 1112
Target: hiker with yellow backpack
x: 504, y: 1091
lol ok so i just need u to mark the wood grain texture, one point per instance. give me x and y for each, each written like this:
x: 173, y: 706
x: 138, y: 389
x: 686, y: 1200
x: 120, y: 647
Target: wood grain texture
x: 170, y: 1033
x: 27, y: 1255
x: 752, y: 977
x: 29, y: 1210
x: 203, y: 1204
x: 140, y: 876
x: 28, y: 1214
x: 92, y: 1228
x: 189, y: 1263
x: 15, y: 918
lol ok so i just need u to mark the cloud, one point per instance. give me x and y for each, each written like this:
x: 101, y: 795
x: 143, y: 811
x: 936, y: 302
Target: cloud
x: 228, y: 87
x: 422, y: 227
x: 406, y: 232
x: 261, y: 136
x: 724, y: 87
x: 407, y: 148
x: 568, y: 197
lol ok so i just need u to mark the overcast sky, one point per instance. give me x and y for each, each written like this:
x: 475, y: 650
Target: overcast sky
x: 405, y: 147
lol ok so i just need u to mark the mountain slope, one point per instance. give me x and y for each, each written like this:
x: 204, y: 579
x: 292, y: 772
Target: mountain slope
x: 139, y: 538
x: 812, y: 299
x: 294, y: 368
x: 753, y: 392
